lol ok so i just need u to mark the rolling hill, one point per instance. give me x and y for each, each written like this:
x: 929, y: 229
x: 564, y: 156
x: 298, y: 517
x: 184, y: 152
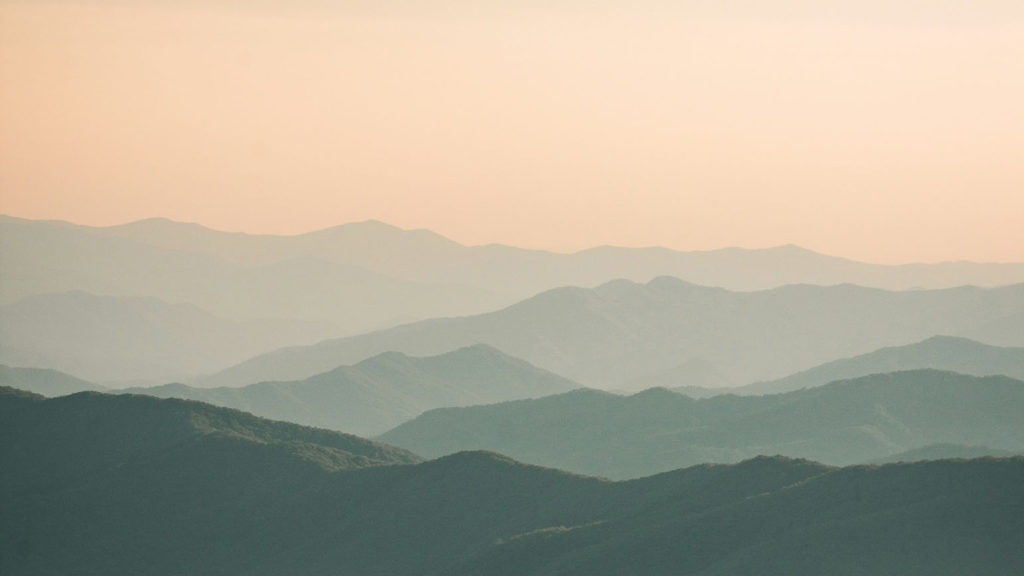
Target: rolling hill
x: 425, y: 257
x: 97, y: 484
x: 938, y: 353
x: 393, y: 274
x: 381, y: 392
x: 842, y: 423
x: 111, y: 339
x: 621, y: 332
x: 44, y: 382
x: 52, y: 257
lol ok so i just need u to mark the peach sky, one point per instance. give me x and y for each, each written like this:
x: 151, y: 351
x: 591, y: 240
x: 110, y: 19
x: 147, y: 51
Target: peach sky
x: 880, y: 133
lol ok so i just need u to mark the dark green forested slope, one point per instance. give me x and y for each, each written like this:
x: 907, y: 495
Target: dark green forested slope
x: 97, y: 484
x: 384, y: 391
x: 841, y: 423
x: 928, y: 518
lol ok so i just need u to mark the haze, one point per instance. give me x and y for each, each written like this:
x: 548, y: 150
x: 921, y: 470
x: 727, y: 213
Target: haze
x: 885, y: 134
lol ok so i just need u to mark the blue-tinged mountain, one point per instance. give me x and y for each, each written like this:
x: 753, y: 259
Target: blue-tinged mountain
x: 947, y: 452
x: 96, y: 484
x: 112, y: 339
x: 52, y: 257
x: 365, y: 275
x: 842, y: 423
x: 44, y: 382
x: 423, y: 256
x: 620, y: 332
x: 379, y: 393
x: 938, y: 353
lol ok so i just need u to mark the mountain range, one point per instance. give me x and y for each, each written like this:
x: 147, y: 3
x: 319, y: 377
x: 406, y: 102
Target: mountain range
x: 938, y: 352
x: 43, y: 381
x: 622, y: 332
x: 120, y: 340
x: 380, y: 393
x: 367, y: 275
x: 842, y: 423
x: 40, y: 257
x: 72, y: 300
x: 423, y: 256
x: 99, y: 484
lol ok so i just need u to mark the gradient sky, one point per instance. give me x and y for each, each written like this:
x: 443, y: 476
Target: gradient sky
x: 884, y: 131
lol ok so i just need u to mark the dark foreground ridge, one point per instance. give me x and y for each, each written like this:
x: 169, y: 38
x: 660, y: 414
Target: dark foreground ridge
x: 98, y: 484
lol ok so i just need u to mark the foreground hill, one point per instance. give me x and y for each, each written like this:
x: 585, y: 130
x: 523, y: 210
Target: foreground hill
x: 619, y: 332
x: 131, y: 485
x: 44, y: 382
x: 896, y: 519
x: 122, y: 339
x: 939, y: 353
x: 381, y: 392
x: 841, y: 423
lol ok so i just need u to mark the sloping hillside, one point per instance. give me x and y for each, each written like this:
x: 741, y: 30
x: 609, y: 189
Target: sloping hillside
x: 98, y: 484
x: 381, y: 392
x: 621, y: 331
x: 842, y: 423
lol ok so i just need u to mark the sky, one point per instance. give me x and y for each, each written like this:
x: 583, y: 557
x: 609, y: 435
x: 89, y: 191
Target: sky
x: 884, y: 131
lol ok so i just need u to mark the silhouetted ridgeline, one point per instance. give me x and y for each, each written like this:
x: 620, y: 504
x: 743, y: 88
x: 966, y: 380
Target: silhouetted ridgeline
x: 98, y: 484
x: 618, y: 332
x: 45, y: 382
x: 842, y: 423
x: 121, y: 340
x: 938, y: 352
x: 249, y: 294
x: 377, y: 251
x: 381, y: 392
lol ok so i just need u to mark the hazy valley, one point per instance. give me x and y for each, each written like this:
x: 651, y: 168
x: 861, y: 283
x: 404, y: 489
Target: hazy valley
x: 251, y: 400
x: 506, y: 288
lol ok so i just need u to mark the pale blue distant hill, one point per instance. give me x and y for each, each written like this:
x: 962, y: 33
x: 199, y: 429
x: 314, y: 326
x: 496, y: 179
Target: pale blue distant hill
x: 622, y: 332
x: 845, y: 422
x: 393, y: 273
x: 42, y: 381
x: 384, y: 391
x: 939, y: 352
x: 118, y: 339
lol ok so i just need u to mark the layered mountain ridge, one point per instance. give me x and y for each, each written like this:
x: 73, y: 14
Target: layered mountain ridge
x: 620, y: 332
x: 244, y: 494
x: 842, y: 423
x: 381, y: 392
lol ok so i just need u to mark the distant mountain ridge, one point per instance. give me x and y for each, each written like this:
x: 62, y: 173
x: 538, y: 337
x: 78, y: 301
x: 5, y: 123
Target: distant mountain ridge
x: 43, y: 381
x: 381, y: 392
x: 938, y: 352
x: 126, y: 339
x: 425, y: 256
x: 947, y: 452
x: 394, y: 274
x: 98, y: 485
x: 52, y: 257
x: 622, y: 332
x: 842, y: 423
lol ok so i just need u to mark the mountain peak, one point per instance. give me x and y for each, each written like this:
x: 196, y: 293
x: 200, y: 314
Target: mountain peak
x: 379, y: 231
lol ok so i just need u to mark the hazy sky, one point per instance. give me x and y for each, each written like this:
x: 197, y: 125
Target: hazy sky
x: 879, y: 130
